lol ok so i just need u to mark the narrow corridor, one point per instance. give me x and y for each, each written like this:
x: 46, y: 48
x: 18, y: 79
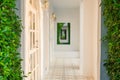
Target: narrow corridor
x: 67, y: 52
x: 65, y: 69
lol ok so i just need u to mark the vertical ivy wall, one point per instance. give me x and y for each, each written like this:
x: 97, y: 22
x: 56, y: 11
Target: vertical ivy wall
x: 111, y: 13
x: 10, y: 31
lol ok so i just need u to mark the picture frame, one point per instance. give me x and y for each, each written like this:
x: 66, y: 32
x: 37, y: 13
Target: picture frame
x: 63, y: 33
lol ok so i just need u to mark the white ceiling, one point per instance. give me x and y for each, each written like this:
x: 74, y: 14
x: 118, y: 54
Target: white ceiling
x: 65, y: 3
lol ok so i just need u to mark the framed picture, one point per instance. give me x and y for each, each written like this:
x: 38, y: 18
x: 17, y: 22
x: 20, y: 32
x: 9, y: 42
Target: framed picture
x: 63, y: 33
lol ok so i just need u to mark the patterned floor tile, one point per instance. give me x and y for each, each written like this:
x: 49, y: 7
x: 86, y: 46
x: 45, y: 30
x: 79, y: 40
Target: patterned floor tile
x: 65, y: 69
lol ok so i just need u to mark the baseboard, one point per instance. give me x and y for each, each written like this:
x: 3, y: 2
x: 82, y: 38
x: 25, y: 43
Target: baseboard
x: 67, y: 54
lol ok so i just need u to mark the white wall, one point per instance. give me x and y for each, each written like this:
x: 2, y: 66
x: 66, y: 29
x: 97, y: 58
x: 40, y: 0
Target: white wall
x: 46, y: 41
x: 72, y: 16
x: 89, y: 38
x: 48, y: 38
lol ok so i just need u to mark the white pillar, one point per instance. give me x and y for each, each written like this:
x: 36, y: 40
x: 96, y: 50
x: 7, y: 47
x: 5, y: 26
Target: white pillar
x: 81, y: 36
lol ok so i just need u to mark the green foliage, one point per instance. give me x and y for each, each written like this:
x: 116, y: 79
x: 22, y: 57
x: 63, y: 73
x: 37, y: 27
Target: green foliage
x: 59, y: 27
x: 59, y: 36
x: 10, y: 31
x: 111, y: 12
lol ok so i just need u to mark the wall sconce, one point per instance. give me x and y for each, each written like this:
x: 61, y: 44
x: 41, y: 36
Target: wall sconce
x: 53, y: 16
x: 45, y: 4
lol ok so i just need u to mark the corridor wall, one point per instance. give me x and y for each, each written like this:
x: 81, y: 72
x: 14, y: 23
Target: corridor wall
x: 68, y: 15
x: 89, y: 38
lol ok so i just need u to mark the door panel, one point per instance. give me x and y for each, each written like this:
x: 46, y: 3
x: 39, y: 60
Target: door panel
x: 33, y: 42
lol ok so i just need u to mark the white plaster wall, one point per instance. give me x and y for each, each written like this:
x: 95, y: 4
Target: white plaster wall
x: 51, y: 32
x: 89, y: 38
x: 46, y: 40
x: 97, y: 39
x: 72, y: 16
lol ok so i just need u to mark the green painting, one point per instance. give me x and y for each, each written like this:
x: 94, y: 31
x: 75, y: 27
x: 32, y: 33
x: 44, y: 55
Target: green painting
x: 63, y: 33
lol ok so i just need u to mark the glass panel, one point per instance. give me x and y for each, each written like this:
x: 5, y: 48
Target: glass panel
x: 33, y: 21
x: 30, y: 14
x: 34, y: 76
x: 36, y: 36
x: 34, y: 40
x: 30, y: 62
x: 38, y: 73
x: 36, y: 58
x: 31, y: 36
x: 33, y: 61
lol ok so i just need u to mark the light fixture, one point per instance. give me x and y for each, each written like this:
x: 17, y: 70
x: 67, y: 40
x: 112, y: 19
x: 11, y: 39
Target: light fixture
x: 45, y: 4
x: 53, y: 16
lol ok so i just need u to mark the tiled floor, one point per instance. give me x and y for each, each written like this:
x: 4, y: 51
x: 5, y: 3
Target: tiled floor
x: 65, y: 69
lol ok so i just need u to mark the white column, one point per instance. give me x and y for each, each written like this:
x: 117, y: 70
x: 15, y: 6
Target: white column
x: 81, y: 36
x: 41, y: 41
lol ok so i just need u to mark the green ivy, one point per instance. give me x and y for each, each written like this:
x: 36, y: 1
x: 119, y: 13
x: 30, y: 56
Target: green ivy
x: 111, y: 13
x: 10, y: 31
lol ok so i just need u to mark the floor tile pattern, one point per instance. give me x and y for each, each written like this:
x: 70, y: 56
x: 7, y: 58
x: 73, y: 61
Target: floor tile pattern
x: 65, y: 69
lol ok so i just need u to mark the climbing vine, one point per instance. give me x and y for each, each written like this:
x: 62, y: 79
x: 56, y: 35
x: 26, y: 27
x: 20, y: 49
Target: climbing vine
x: 111, y: 13
x: 10, y: 31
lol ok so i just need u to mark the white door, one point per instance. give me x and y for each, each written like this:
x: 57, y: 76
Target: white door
x: 32, y: 40
x: 33, y: 47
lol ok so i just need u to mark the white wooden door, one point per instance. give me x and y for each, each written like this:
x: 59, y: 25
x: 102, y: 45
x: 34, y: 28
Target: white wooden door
x: 33, y: 49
